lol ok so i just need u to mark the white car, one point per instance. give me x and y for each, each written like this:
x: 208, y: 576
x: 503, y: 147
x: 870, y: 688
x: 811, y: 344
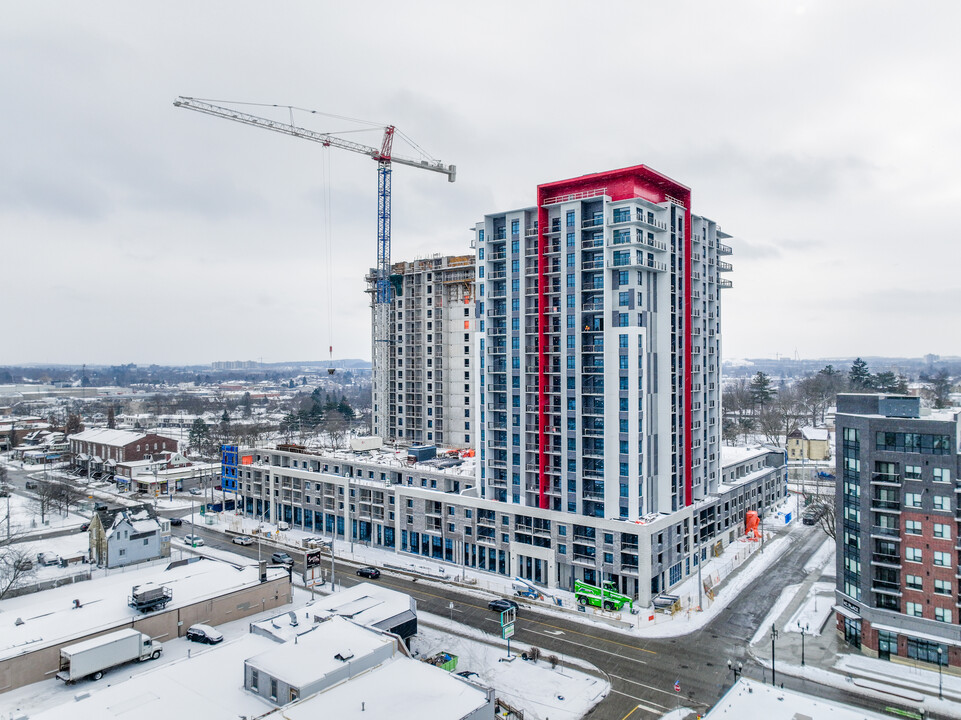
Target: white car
x: 243, y: 540
x: 193, y: 540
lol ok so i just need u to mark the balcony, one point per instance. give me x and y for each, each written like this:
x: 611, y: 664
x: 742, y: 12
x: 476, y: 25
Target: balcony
x: 724, y: 266
x: 725, y: 283
x: 891, y: 479
x: 723, y: 249
x: 883, y: 560
x: 886, y: 532
x: 886, y: 505
x: 885, y: 587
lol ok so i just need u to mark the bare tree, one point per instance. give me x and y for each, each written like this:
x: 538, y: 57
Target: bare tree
x: 47, y: 498
x: 16, y: 567
x: 780, y: 417
x: 335, y: 426
x: 823, y: 505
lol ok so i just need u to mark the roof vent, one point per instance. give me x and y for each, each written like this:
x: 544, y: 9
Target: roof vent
x: 344, y: 656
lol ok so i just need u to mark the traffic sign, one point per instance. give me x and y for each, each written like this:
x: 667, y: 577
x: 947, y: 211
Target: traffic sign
x: 508, y: 631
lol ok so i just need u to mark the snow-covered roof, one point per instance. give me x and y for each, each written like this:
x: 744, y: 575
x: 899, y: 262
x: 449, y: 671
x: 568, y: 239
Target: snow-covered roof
x: 740, y: 453
x: 312, y: 657
x: 205, y: 685
x: 813, y: 433
x: 368, y: 604
x: 401, y: 689
x: 106, y: 436
x: 749, y: 698
x: 49, y: 618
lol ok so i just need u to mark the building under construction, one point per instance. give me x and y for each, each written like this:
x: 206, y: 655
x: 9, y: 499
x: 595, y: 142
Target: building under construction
x: 422, y: 393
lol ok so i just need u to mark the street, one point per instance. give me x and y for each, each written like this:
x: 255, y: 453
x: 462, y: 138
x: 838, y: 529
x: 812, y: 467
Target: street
x: 642, y: 672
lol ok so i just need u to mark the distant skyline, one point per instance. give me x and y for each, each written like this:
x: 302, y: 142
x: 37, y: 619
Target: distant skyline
x: 821, y: 135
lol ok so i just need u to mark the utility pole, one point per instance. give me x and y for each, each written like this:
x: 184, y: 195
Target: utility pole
x: 773, y: 638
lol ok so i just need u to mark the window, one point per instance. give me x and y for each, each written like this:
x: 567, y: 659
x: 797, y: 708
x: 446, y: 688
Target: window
x: 913, y: 554
x: 914, y: 582
x: 942, y: 615
x: 942, y: 559
x: 912, y: 499
x: 942, y: 587
x: 570, y: 218
x: 912, y: 472
x: 927, y: 651
x: 914, y: 609
x: 942, y: 502
x: 273, y: 689
x: 942, y: 475
x: 624, y: 298
x: 254, y: 680
x: 912, y: 527
x: 942, y: 531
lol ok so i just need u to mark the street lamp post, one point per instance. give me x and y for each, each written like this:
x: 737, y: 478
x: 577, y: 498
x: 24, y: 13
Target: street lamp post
x: 737, y: 668
x: 803, y: 628
x: 773, y: 638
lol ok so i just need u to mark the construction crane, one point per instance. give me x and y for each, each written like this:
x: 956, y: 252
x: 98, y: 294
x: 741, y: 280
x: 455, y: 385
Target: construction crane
x: 384, y: 158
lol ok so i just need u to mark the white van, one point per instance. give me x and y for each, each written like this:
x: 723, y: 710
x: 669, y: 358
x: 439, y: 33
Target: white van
x: 283, y: 526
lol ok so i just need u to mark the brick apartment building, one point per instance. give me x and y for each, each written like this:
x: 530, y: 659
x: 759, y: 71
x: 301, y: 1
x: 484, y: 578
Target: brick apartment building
x: 897, y: 529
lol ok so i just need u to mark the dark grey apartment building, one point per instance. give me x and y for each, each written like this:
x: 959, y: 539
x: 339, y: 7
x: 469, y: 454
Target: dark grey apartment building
x: 897, y: 529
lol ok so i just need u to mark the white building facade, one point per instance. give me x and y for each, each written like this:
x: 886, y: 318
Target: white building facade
x: 421, y: 394
x: 599, y: 346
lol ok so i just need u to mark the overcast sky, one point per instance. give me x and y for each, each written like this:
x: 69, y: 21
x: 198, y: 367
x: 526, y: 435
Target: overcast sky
x: 822, y: 135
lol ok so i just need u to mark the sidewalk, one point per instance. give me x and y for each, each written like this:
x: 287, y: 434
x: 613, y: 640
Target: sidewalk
x: 829, y: 661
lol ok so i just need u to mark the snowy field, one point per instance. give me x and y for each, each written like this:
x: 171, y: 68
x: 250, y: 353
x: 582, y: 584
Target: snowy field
x: 25, y: 518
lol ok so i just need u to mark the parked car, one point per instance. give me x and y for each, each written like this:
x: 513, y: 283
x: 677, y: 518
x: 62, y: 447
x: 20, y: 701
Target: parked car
x: 48, y: 558
x: 204, y: 634
x: 811, y: 515
x: 30, y: 485
x: 193, y: 540
x: 5, y: 490
x: 243, y: 540
x: 194, y: 491
x: 282, y: 558
x: 85, y: 527
x: 500, y: 605
x: 99, y: 506
x: 369, y: 572
x: 176, y: 522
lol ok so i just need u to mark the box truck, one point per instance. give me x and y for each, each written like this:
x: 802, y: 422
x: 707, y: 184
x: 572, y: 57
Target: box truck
x: 91, y: 657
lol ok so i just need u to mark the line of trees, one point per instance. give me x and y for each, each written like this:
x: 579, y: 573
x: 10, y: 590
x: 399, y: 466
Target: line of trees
x: 757, y: 406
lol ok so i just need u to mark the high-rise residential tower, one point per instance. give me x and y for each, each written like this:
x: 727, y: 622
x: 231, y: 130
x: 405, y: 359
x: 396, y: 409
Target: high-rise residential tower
x: 423, y: 394
x: 600, y: 347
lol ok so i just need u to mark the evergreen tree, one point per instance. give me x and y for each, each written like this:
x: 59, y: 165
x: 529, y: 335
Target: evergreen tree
x: 859, y: 376
x: 111, y: 418
x: 199, y: 437
x: 245, y: 405
x: 762, y: 390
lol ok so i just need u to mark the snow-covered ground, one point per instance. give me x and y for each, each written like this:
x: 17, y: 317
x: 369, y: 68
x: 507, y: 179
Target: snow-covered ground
x: 25, y: 517
x: 541, y: 691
